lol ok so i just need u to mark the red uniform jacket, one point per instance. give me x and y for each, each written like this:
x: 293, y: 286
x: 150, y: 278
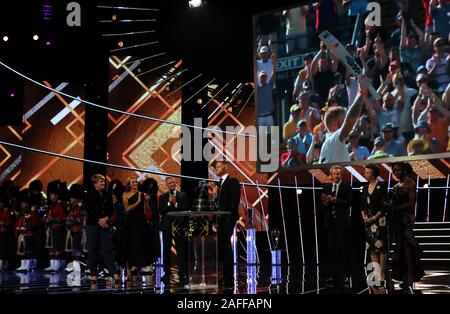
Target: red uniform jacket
x: 5, y: 220
x: 76, y: 219
x: 55, y: 216
x: 27, y: 223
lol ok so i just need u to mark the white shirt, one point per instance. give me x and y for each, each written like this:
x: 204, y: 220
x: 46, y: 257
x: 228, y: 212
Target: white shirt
x: 333, y: 150
x: 224, y: 177
x: 266, y: 67
x: 336, y: 187
x: 176, y: 203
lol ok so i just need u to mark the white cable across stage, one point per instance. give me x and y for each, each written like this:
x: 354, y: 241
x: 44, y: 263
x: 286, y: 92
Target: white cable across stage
x: 121, y: 111
x: 41, y: 151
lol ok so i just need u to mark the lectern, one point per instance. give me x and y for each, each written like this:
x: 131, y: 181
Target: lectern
x: 202, y: 247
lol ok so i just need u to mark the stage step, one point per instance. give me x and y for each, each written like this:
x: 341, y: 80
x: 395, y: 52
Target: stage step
x: 434, y: 239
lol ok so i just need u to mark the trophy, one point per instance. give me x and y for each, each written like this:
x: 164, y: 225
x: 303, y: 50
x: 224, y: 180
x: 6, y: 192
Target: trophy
x: 202, y: 202
x: 276, y: 252
x: 275, y: 233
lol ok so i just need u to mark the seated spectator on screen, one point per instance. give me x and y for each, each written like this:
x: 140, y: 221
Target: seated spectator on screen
x: 438, y: 64
x: 423, y: 131
x: 292, y: 157
x: 392, y: 146
x: 378, y: 149
x: 356, y: 151
x: 405, y: 69
x: 448, y: 136
x: 423, y: 78
x: 303, y: 138
x: 417, y: 146
x: 388, y: 112
x: 290, y: 127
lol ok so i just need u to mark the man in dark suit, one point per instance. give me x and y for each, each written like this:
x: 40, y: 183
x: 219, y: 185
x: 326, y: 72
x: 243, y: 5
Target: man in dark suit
x: 336, y: 200
x: 228, y: 199
x: 173, y: 200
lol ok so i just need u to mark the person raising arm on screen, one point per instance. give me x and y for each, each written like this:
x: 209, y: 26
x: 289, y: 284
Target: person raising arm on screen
x: 339, y: 125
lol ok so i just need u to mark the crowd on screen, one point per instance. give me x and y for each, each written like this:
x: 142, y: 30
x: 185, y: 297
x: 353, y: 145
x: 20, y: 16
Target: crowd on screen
x: 408, y: 65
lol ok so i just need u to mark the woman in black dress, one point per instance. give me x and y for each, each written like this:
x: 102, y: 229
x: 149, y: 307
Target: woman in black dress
x: 374, y: 216
x: 135, y: 250
x: 406, y: 259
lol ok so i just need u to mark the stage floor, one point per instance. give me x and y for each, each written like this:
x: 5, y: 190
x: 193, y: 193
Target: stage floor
x: 294, y: 280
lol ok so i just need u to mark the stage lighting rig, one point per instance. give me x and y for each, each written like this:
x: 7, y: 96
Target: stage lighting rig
x: 195, y: 3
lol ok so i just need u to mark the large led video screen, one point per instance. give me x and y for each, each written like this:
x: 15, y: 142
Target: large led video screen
x: 305, y: 90
x: 140, y: 143
x: 52, y: 123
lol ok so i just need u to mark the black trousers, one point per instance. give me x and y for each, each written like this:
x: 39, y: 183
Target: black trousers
x: 57, y: 250
x: 181, y: 247
x: 3, y: 245
x: 339, y: 251
x: 100, y: 239
x: 225, y: 253
x: 76, y: 246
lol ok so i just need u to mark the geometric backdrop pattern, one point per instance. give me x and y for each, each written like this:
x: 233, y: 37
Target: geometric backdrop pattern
x: 51, y: 122
x: 233, y: 105
x: 137, y: 142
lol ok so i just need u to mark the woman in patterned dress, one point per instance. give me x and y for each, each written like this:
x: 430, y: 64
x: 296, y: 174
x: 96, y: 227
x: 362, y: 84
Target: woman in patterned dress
x: 373, y: 212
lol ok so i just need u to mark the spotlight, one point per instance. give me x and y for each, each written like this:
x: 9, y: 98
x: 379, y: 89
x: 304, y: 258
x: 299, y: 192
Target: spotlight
x: 230, y: 109
x: 426, y: 186
x: 5, y: 38
x: 12, y: 94
x: 167, y: 87
x: 195, y: 3
x: 299, y: 191
x: 361, y: 189
x: 35, y: 37
x: 114, y: 17
x: 199, y: 101
x: 120, y: 44
x: 48, y: 43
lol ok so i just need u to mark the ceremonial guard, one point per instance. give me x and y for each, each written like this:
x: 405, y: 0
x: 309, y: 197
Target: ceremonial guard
x: 55, y: 222
x: 6, y: 222
x: 75, y: 224
x: 26, y: 226
x: 38, y: 204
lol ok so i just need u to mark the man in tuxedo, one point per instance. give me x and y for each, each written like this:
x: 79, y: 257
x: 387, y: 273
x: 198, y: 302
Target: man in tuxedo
x: 336, y: 200
x: 228, y: 199
x: 173, y: 200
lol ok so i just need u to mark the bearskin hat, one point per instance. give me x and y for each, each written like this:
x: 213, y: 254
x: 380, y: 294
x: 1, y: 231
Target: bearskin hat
x: 117, y: 188
x: 24, y: 196
x: 76, y: 191
x: 35, y: 186
x: 57, y: 187
x: 149, y: 186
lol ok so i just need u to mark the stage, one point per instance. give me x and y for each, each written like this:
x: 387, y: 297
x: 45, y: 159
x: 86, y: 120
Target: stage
x: 294, y: 280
